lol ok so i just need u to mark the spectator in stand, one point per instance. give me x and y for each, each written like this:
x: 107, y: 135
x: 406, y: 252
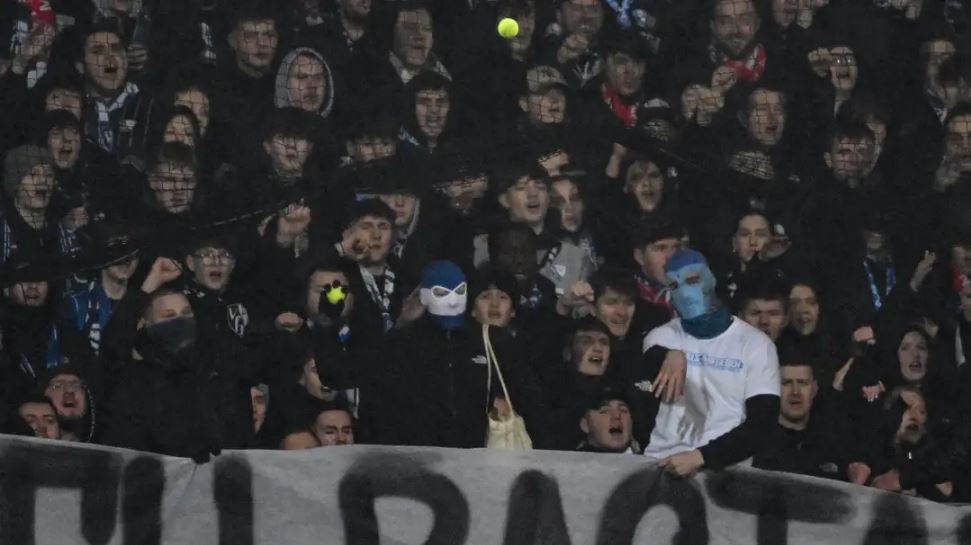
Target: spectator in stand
x: 607, y: 424
x: 39, y: 413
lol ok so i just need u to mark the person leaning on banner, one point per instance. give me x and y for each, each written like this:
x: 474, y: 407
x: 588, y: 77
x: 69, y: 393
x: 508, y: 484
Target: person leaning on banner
x: 168, y: 397
x: 607, y: 423
x: 811, y: 437
x: 430, y: 387
x: 731, y: 392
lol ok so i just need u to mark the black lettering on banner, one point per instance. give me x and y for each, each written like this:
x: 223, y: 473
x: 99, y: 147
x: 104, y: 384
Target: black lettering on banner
x: 535, y: 512
x: 776, y: 499
x: 402, y: 476
x: 638, y: 493
x: 144, y: 484
x: 893, y: 522
x: 31, y: 466
x: 233, y: 491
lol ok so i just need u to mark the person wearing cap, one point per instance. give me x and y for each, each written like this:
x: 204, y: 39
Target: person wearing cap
x: 32, y: 339
x: 608, y: 424
x: 544, y: 99
x: 731, y: 393
x: 495, y: 296
x: 88, y: 308
x: 28, y: 182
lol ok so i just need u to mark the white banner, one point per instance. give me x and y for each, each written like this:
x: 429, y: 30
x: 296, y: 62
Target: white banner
x: 58, y: 493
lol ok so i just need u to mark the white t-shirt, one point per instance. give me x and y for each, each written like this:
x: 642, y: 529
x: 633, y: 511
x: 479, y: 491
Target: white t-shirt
x: 722, y: 373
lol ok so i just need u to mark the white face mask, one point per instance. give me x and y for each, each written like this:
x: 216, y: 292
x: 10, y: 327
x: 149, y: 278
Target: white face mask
x: 442, y: 301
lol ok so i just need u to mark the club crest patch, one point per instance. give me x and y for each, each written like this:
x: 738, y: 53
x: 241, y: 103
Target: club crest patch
x: 238, y: 318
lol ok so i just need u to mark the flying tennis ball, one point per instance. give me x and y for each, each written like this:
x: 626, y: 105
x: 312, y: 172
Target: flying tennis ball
x: 335, y: 295
x: 508, y: 28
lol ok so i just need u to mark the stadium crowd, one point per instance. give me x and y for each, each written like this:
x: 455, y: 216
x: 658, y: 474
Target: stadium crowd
x: 708, y: 232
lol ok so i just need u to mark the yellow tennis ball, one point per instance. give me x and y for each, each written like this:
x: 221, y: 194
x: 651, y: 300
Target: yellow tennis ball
x: 335, y: 296
x: 508, y: 28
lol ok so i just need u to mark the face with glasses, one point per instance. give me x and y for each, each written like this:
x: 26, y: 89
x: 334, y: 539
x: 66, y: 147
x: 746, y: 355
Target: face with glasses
x: 212, y: 267
x: 843, y: 71
x: 69, y: 396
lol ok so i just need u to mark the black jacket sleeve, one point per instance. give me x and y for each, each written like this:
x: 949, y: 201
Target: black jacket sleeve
x: 746, y: 439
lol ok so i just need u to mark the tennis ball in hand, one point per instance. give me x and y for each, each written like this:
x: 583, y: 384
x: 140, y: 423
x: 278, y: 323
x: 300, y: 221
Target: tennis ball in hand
x: 335, y: 295
x: 508, y: 28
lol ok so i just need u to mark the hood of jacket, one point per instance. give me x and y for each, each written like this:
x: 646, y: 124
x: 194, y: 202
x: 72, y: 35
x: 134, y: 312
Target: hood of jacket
x: 282, y: 98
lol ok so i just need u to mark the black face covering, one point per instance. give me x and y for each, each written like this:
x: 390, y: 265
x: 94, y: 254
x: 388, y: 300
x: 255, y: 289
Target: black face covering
x: 168, y: 342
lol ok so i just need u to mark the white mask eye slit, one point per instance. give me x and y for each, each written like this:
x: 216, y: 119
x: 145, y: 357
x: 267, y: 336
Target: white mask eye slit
x: 461, y: 289
x: 439, y: 291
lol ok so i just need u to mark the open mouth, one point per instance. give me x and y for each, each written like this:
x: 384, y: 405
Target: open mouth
x: 216, y: 276
x: 616, y: 432
x: 916, y: 366
x: 596, y: 360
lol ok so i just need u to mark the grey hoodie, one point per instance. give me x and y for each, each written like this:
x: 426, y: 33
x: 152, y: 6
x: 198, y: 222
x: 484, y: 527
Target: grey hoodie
x: 282, y: 98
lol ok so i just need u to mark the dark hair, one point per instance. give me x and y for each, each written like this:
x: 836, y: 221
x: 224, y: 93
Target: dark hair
x: 502, y: 233
x: 172, y: 288
x: 509, y: 173
x: 954, y: 69
x: 588, y: 323
x: 615, y: 279
x: 172, y: 152
x: 647, y: 232
x: 251, y: 11
x: 104, y: 26
x: 763, y: 289
x: 36, y: 397
x: 289, y: 122
x: 310, y: 267
x: 854, y: 129
x: 516, y: 8
x: 160, y: 122
x: 339, y: 403
x: 961, y: 109
x: 48, y: 121
x: 740, y: 95
x: 369, y: 207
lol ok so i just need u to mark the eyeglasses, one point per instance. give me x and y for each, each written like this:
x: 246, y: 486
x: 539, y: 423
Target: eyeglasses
x: 844, y: 60
x: 214, y: 257
x: 59, y: 385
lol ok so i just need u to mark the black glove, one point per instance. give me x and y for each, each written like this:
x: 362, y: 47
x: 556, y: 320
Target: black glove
x: 327, y: 305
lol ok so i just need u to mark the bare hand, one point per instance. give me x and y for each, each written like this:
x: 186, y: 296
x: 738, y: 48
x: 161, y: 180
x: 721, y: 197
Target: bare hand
x: 820, y: 60
x: 840, y: 376
x: 723, y: 79
x: 411, y: 309
x: 776, y: 247
x: 924, y: 267
x: 573, y: 46
x: 288, y: 321
x: 946, y: 488
x: 291, y: 223
x: 864, y: 334
x: 858, y: 472
x: 577, y: 296
x: 670, y: 381
x: 889, y: 481
x: 354, y: 244
x: 36, y: 47
x: 871, y: 393
x: 137, y: 57
x: 163, y: 271
x: 684, y: 464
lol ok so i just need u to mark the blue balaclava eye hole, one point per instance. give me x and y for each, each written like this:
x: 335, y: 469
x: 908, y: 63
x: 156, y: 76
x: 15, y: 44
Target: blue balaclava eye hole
x: 692, y: 284
x: 444, y: 293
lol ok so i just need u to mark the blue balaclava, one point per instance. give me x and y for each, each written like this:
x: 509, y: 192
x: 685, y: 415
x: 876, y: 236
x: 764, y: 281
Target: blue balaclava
x: 444, y: 293
x: 691, y: 300
x: 701, y: 314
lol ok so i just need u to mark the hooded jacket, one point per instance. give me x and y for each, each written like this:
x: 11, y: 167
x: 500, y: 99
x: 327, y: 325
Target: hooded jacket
x: 282, y: 97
